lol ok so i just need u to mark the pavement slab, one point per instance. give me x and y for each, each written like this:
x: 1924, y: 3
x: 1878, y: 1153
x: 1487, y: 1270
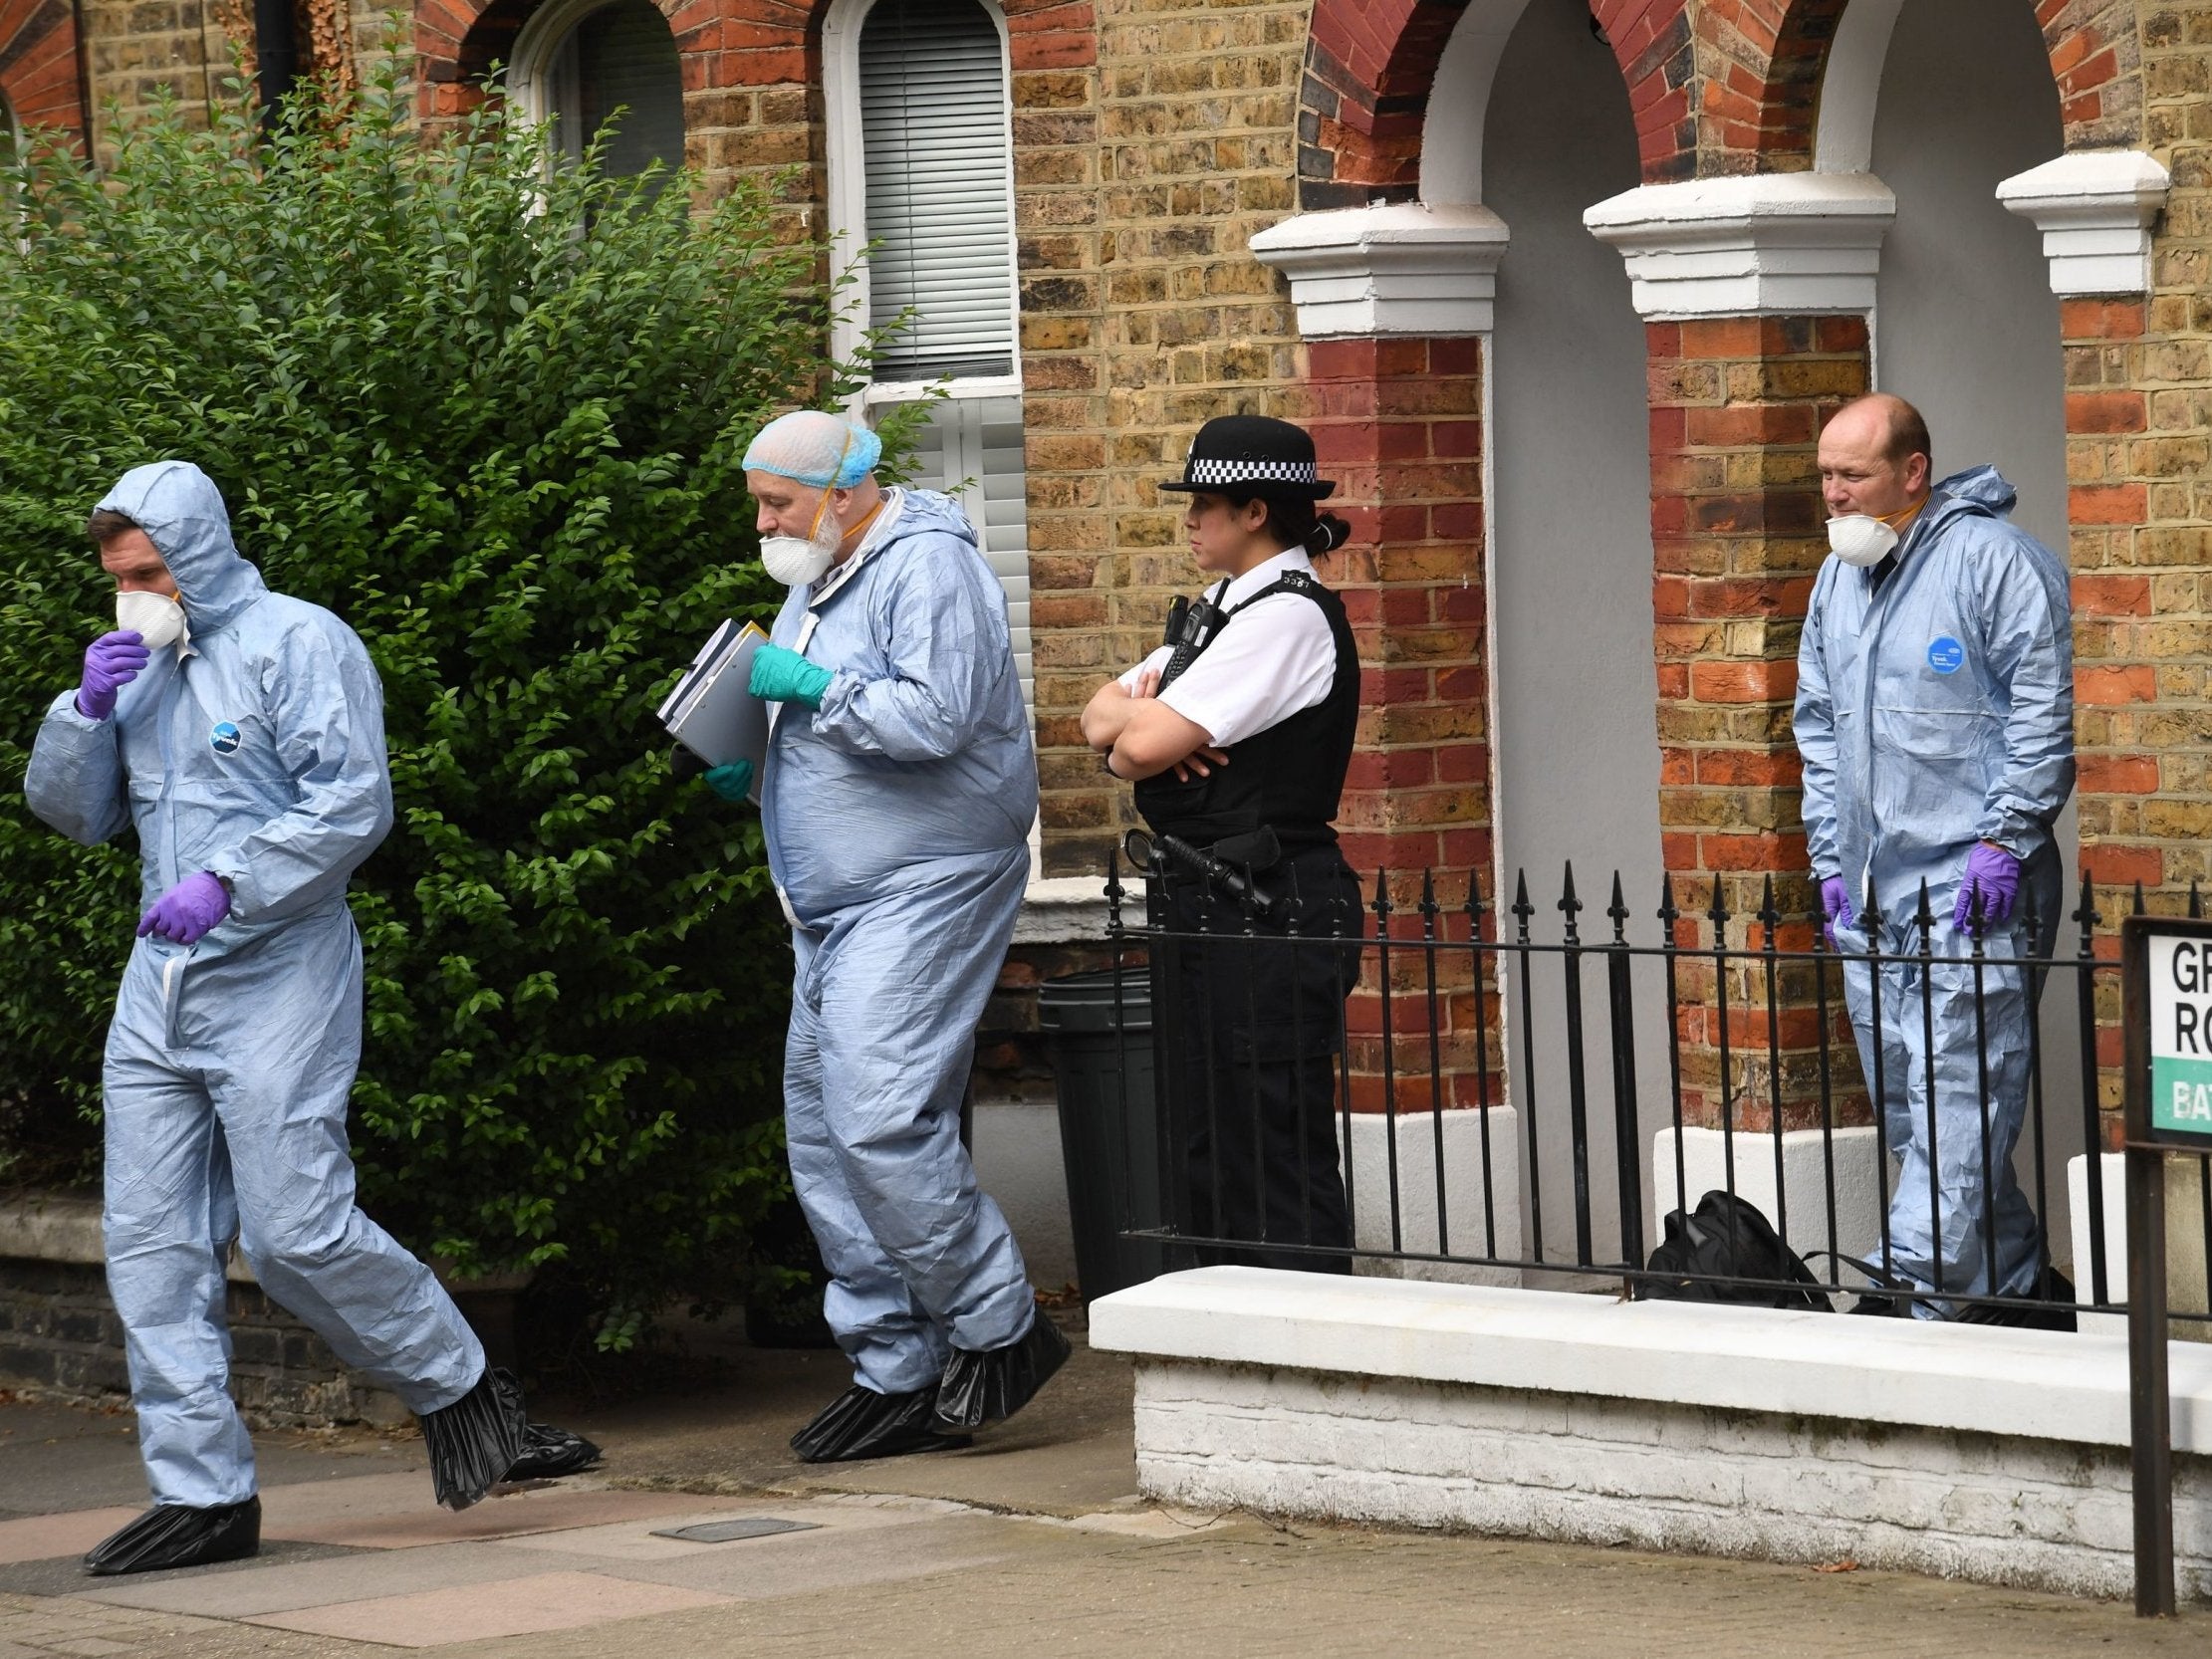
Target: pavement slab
x: 1032, y: 1542
x: 835, y: 1558
x: 502, y: 1608
x: 395, y: 1511
x: 43, y: 1538
x: 66, y: 1574
x: 1070, y: 1452
x: 281, y: 1587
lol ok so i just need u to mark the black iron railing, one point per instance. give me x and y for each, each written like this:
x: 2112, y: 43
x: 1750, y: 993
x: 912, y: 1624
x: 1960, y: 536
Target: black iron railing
x: 1608, y: 1051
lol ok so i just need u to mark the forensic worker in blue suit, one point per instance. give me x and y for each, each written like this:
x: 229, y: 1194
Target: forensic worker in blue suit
x: 899, y: 787
x: 1935, y: 718
x: 240, y: 732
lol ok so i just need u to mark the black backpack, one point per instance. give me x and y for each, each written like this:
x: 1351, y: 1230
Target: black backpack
x: 1726, y: 1237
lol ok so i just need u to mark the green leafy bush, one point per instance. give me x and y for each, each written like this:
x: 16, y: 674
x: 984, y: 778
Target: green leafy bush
x: 491, y: 413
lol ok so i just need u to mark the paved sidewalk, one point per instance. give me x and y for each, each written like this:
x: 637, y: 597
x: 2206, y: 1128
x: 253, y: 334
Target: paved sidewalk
x: 1032, y: 1543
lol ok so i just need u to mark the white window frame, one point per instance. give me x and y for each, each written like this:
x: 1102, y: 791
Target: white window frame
x: 543, y: 78
x: 841, y: 92
x: 842, y: 25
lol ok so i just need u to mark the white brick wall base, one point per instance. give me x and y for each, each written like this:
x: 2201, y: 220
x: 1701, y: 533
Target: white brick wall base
x: 1968, y: 1452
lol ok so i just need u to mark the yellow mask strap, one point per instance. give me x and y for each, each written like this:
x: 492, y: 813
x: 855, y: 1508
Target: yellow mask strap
x: 822, y: 506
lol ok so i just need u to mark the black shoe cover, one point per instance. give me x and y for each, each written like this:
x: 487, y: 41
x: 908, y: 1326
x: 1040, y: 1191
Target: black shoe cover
x: 176, y: 1534
x: 475, y: 1441
x: 980, y: 1389
x: 861, y: 1423
x: 548, y: 1453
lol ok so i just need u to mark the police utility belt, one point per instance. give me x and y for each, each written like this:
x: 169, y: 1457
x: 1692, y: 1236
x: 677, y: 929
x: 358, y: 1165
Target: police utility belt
x: 1230, y: 864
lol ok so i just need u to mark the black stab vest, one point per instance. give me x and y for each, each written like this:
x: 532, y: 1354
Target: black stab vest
x: 1290, y: 777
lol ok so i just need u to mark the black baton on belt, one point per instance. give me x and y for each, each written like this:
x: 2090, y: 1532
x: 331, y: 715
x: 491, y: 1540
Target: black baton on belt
x: 1138, y: 846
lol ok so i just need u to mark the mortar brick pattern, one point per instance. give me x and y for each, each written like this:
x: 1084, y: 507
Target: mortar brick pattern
x: 1737, y: 405
x: 2140, y: 435
x: 60, y: 1333
x: 1153, y: 138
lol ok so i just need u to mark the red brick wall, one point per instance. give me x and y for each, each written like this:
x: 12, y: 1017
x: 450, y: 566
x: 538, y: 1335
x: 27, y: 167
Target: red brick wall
x: 1736, y: 410
x: 1718, y: 86
x: 1397, y: 423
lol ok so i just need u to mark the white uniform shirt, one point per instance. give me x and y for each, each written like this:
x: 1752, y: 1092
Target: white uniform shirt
x: 1277, y: 657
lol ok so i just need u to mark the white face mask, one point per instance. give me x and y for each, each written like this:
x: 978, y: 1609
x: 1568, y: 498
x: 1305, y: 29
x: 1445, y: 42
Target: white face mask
x: 796, y: 561
x: 1859, y: 541
x: 154, y: 619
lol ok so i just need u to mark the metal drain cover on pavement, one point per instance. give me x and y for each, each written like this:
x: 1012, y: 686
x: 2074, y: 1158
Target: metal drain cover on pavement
x: 730, y: 1532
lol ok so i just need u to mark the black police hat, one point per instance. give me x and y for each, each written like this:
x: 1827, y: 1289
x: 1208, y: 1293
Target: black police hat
x: 1252, y: 455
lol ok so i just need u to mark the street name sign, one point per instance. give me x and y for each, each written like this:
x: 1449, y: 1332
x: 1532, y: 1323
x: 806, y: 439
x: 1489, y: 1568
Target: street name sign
x: 2176, y: 983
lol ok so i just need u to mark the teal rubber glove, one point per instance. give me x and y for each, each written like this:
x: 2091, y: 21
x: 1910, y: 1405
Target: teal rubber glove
x: 733, y: 782
x: 784, y: 676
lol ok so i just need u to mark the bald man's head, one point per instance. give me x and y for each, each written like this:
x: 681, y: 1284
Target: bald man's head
x: 1875, y: 457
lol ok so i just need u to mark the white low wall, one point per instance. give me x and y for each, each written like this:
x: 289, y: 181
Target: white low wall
x: 1463, y: 1232
x: 1974, y: 1452
x: 2186, y: 1280
x: 1804, y: 1161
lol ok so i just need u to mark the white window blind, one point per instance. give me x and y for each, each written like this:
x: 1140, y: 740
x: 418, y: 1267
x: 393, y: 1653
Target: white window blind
x: 622, y: 57
x: 933, y: 124
x: 972, y: 451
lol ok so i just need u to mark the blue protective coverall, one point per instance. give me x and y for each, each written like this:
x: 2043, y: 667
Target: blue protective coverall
x: 1932, y: 713
x: 898, y: 821
x: 255, y: 751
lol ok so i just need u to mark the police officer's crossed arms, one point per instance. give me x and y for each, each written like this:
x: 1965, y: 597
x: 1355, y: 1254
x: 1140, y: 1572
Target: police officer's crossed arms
x: 1237, y: 732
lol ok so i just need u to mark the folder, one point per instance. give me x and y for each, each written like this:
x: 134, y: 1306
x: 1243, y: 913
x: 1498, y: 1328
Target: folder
x: 712, y: 713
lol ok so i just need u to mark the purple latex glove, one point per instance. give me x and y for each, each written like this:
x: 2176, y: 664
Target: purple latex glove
x: 1835, y: 906
x: 186, y: 912
x: 112, y: 662
x: 1995, y: 875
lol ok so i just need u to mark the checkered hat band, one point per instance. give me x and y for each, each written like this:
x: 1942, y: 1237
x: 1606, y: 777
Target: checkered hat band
x: 1251, y: 472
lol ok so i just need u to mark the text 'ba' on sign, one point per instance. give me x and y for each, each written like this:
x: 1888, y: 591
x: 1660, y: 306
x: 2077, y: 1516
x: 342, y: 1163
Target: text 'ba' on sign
x: 2180, y: 979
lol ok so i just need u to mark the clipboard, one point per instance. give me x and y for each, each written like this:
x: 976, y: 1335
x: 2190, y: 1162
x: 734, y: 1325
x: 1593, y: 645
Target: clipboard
x: 712, y: 713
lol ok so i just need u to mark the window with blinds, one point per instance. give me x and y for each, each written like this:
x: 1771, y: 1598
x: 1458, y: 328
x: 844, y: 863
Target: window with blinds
x: 939, y: 195
x: 622, y: 57
x: 972, y: 451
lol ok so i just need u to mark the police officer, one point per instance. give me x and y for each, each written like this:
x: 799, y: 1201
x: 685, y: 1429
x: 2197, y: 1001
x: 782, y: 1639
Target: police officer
x: 1237, y: 733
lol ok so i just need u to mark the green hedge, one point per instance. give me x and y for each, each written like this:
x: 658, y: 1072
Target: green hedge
x: 491, y: 413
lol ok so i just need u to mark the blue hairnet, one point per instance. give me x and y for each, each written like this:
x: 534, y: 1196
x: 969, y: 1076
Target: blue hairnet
x: 814, y: 447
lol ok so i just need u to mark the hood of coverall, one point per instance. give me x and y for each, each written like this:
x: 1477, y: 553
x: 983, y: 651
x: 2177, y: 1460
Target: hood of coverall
x: 1982, y: 490
x: 179, y: 508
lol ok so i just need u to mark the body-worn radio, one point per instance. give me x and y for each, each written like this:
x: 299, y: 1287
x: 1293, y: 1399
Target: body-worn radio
x: 1190, y: 625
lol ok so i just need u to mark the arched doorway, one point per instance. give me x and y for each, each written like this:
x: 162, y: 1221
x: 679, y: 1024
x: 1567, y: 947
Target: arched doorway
x: 1965, y: 322
x: 1576, y: 686
x: 1966, y: 328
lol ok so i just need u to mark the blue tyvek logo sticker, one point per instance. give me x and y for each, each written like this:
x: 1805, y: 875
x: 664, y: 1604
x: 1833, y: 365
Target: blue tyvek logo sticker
x: 224, y: 739
x: 1945, y: 654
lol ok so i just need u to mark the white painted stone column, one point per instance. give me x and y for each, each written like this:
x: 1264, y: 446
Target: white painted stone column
x: 1767, y: 245
x: 2095, y: 209
x: 1409, y: 271
x: 1393, y: 269
x: 1804, y: 1184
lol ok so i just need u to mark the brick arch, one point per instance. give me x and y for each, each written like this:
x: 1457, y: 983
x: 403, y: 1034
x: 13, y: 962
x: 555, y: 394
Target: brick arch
x: 459, y: 42
x: 725, y: 45
x: 2095, y: 53
x: 1718, y: 86
x: 39, y: 71
x: 1371, y: 66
